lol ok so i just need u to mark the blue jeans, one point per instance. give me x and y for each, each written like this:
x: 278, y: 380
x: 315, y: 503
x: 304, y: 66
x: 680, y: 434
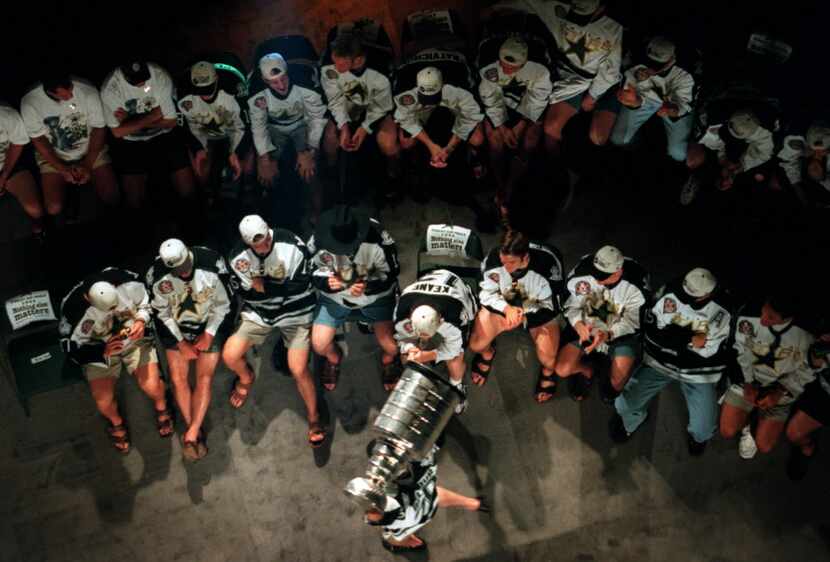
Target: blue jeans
x: 630, y: 120
x: 646, y: 382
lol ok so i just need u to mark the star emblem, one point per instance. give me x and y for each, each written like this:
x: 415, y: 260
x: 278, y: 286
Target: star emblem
x: 188, y: 305
x: 514, y: 91
x: 578, y: 48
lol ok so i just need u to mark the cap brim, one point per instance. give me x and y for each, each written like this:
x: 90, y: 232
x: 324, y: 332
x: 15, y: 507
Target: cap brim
x: 429, y: 99
x: 325, y: 240
x: 205, y: 90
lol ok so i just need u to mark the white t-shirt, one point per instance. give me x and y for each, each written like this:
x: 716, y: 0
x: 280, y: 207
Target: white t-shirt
x: 68, y: 124
x: 158, y: 91
x: 12, y: 131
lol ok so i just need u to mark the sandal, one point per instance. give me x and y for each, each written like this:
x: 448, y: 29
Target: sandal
x: 201, y: 445
x: 391, y: 373
x: 483, y: 504
x: 316, y: 429
x: 190, y: 450
x: 478, y: 362
x: 396, y: 548
x: 236, y: 394
x: 579, y: 387
x: 164, y: 423
x: 121, y: 443
x: 330, y: 375
x: 547, y: 391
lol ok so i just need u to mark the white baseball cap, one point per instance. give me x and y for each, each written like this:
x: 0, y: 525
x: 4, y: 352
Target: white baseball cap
x: 699, y: 282
x: 272, y: 65
x: 176, y: 256
x: 743, y: 124
x: 818, y: 136
x: 103, y: 296
x: 425, y: 320
x: 660, y: 50
x: 608, y: 259
x: 203, y: 74
x: 584, y: 7
x: 430, y: 81
x: 252, y: 227
x: 513, y: 52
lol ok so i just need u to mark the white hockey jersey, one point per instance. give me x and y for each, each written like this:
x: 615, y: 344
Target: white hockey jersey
x: 285, y: 113
x: 66, y: 124
x: 675, y: 86
x: 158, y: 91
x: 12, y: 131
x: 412, y: 116
x: 758, y: 151
x: 454, y: 301
x: 527, y: 91
x: 220, y: 119
x: 793, y: 159
x: 366, y: 96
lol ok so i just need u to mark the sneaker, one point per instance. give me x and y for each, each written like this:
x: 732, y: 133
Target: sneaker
x: 689, y: 191
x: 747, y: 448
x: 797, y: 464
x: 695, y: 449
x: 616, y: 429
x: 462, y: 406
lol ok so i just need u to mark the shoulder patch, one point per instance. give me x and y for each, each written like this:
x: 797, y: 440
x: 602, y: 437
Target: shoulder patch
x: 86, y: 327
x: 331, y: 74
x: 669, y: 306
x: 165, y: 287
x: 718, y: 317
x: 745, y: 327
x: 582, y: 288
x: 407, y: 326
x: 261, y: 103
x: 407, y: 99
x: 491, y: 74
x: 187, y: 105
x: 242, y: 265
x: 494, y: 277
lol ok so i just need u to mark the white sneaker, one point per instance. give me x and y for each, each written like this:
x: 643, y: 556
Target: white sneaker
x: 459, y: 409
x: 689, y: 191
x: 747, y: 447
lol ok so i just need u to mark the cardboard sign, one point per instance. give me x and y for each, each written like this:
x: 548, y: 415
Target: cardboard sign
x: 446, y: 240
x: 33, y: 307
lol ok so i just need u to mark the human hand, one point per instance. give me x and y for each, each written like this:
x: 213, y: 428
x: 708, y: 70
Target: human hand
x: 771, y: 399
x: 421, y: 356
x: 699, y: 341
x: 357, y: 288
x: 583, y: 330
x: 203, y: 342
x: 588, y: 103
x: 267, y: 170
x: 200, y: 162
x: 80, y: 173
x: 236, y: 166
x: 346, y: 138
x: 121, y: 114
x: 751, y: 393
x: 438, y: 157
x: 600, y: 337
x: 358, y: 138
x: 514, y: 316
x: 136, y: 330
x: 187, y: 350
x: 628, y: 97
x: 508, y: 136
x: 258, y: 284
x: 335, y: 283
x: 305, y: 165
x: 113, y: 346
x: 66, y: 174
x: 668, y: 109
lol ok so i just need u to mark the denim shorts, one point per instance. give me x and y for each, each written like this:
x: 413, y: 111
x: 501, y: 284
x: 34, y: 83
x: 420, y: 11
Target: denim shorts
x: 329, y: 313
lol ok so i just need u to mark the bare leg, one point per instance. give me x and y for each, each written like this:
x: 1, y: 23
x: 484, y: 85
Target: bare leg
x: 767, y: 434
x: 233, y: 354
x: 298, y: 365
x: 106, y: 185
x: 205, y: 368
x: 448, y: 498
x: 179, y: 369
x: 732, y: 421
x: 556, y: 117
x: 486, y: 327
x: 23, y: 186
x: 799, y: 432
x: 621, y: 367
x: 54, y: 193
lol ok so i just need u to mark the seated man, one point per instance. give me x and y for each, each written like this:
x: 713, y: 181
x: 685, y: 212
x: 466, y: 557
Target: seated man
x: 281, y: 114
x: 605, y: 294
x: 356, y: 275
x: 65, y: 121
x: 728, y: 152
x: 272, y: 275
x: 104, y: 325
x: 520, y: 288
x: 772, y: 353
x: 192, y: 303
x: 432, y: 322
x: 215, y: 122
x: 515, y: 93
x: 657, y: 87
x: 686, y: 341
x: 15, y: 169
x: 804, y: 162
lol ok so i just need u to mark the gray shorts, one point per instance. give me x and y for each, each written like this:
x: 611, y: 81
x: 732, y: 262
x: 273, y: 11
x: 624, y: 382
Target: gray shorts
x: 735, y: 397
x: 282, y: 137
x: 139, y: 354
x: 294, y: 337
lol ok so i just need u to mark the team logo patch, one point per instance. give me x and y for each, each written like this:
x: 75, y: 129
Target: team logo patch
x: 407, y: 326
x: 327, y: 258
x: 641, y: 75
x: 491, y: 74
x: 187, y: 105
x: 86, y: 327
x: 165, y: 287
x: 407, y: 99
x: 260, y: 102
x: 494, y: 277
x: 242, y: 265
x: 582, y: 288
x: 331, y: 74
x: 718, y: 318
x: 745, y: 327
x: 669, y: 306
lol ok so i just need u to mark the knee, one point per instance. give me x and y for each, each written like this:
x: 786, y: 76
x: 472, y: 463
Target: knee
x: 727, y: 431
x: 494, y: 143
x: 230, y: 356
x: 179, y: 379
x: 598, y: 136
x: 532, y: 137
x: 553, y: 129
x: 564, y: 368
x: 695, y: 156
x: 794, y: 435
x: 678, y: 152
x: 765, y: 446
x: 54, y: 208
x: 388, y: 146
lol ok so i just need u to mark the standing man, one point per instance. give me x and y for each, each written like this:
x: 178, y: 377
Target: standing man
x: 356, y: 275
x: 192, y: 302
x: 65, y: 121
x: 606, y: 292
x: 432, y: 323
x: 15, y: 176
x: 104, y: 325
x: 772, y: 352
x: 686, y: 341
x: 271, y: 267
x: 520, y: 288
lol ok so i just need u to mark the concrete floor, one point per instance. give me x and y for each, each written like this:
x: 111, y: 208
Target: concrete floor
x: 560, y: 489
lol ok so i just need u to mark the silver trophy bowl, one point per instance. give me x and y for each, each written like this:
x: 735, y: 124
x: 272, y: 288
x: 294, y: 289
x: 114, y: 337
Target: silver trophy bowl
x: 415, y: 414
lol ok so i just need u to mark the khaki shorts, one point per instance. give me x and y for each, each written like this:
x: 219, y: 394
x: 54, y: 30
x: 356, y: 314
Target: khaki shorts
x: 47, y: 168
x: 294, y: 337
x: 735, y: 397
x: 140, y: 354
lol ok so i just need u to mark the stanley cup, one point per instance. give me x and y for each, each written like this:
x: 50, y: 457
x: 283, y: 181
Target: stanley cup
x: 410, y: 422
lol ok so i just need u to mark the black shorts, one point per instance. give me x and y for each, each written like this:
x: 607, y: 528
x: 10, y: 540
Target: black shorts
x: 815, y: 402
x: 165, y: 153
x: 169, y: 341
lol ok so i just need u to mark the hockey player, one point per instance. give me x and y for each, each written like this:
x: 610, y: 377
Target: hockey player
x: 657, y: 87
x: 520, y: 287
x: 104, y: 327
x: 284, y: 113
x: 191, y: 298
x: 686, y: 340
x: 215, y: 121
x: 65, y: 120
x: 772, y: 352
x: 739, y: 148
x: 432, y: 323
x: 15, y: 176
x: 271, y: 268
x: 515, y: 92
x: 803, y: 159
x: 606, y: 292
x: 356, y: 275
